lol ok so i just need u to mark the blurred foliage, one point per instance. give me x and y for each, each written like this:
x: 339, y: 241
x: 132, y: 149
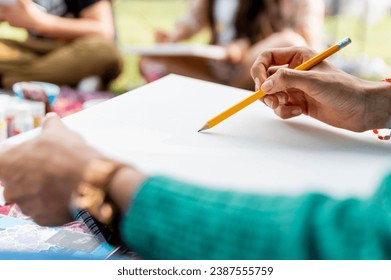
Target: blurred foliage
x: 371, y: 39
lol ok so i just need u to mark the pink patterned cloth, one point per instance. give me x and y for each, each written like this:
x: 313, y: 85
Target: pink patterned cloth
x: 70, y: 101
x: 4, y: 210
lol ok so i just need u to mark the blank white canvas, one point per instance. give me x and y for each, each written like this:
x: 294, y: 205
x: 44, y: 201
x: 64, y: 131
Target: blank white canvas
x: 154, y: 128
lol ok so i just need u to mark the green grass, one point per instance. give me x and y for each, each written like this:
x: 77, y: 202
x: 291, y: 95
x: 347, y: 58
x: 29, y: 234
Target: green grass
x: 136, y: 21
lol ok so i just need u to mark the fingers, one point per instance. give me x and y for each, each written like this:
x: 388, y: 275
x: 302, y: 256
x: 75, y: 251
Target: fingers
x: 258, y: 73
x: 275, y: 100
x: 273, y: 69
x: 269, y: 72
x: 271, y: 101
x: 51, y: 121
x: 53, y: 126
x: 285, y: 79
x: 235, y: 53
x: 287, y: 112
x: 161, y: 36
x: 281, y: 105
x: 293, y: 57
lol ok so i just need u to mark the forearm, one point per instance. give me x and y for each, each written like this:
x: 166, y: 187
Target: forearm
x: 69, y: 28
x: 173, y: 220
x: 378, y: 105
x: 193, y: 22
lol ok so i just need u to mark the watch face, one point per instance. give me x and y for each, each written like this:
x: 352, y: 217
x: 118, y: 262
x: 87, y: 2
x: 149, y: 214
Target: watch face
x: 93, y: 200
x: 91, y: 194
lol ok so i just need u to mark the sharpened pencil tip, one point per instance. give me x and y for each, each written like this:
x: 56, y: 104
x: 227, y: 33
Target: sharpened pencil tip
x: 205, y: 127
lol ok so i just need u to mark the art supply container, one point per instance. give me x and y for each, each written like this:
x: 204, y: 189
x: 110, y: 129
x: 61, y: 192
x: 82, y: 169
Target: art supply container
x: 3, y: 125
x: 37, y: 112
x: 23, y: 119
x: 37, y: 91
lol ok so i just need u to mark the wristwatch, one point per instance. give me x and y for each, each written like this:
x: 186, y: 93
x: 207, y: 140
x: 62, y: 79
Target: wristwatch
x: 92, y: 193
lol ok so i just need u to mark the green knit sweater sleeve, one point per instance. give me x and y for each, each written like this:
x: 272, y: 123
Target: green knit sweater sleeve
x: 169, y: 219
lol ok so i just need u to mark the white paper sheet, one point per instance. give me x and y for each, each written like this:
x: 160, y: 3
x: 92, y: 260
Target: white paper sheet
x: 155, y: 129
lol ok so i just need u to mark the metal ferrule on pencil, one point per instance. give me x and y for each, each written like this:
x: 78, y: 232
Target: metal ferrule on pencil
x: 343, y: 43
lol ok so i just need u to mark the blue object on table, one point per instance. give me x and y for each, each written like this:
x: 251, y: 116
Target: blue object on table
x: 51, y: 90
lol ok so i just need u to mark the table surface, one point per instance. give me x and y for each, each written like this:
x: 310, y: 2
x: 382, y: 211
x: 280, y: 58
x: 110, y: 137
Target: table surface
x: 154, y: 128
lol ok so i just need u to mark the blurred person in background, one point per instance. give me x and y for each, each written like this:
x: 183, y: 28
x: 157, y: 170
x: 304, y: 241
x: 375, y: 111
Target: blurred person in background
x: 244, y: 28
x: 67, y: 41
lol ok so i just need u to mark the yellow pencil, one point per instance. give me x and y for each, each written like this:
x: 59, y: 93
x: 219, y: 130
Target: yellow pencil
x: 259, y: 94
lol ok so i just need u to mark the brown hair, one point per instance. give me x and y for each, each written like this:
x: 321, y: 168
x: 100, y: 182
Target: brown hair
x: 255, y: 19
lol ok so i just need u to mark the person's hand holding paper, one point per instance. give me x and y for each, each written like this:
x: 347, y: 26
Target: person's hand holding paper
x: 162, y: 37
x: 180, y: 33
x: 236, y: 50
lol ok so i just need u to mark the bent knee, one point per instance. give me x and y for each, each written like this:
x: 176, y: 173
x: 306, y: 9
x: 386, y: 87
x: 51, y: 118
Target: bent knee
x: 103, y: 56
x: 98, y: 51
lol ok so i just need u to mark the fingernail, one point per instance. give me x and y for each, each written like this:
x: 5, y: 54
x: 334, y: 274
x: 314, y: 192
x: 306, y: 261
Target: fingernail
x: 257, y: 83
x: 267, y: 86
x: 296, y: 112
x: 51, y: 114
x: 269, y: 102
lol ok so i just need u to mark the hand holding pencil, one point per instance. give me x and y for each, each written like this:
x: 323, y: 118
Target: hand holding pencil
x: 287, y: 97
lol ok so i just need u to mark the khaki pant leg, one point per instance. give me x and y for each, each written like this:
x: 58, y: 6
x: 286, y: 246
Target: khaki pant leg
x: 16, y: 56
x: 13, y: 55
x: 71, y: 62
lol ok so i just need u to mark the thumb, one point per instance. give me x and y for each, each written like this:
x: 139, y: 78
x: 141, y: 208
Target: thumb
x: 286, y: 78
